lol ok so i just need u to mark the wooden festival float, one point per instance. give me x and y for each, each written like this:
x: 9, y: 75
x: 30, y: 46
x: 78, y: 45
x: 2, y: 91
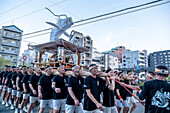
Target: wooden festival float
x: 62, y: 52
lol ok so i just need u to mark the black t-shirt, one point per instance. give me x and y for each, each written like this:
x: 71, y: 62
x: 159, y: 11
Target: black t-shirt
x: 122, y: 91
x: 77, y: 84
x: 95, y: 85
x: 25, y: 80
x: 9, y: 83
x: 34, y: 81
x: 45, y: 82
x: 20, y: 81
x: 108, y: 97
x: 157, y: 95
x: 4, y: 76
x: 62, y: 83
x: 13, y: 78
x: 131, y: 90
x: 1, y: 77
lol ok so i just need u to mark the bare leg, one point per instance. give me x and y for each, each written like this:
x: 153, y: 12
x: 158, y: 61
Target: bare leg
x: 119, y: 109
x: 41, y: 110
x: 133, y: 107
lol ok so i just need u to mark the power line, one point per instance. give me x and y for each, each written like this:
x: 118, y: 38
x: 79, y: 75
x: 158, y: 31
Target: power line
x: 37, y: 35
x: 108, y: 14
x: 119, y: 11
x: 120, y: 14
x: 15, y: 7
x: 64, y: 9
x: 32, y: 12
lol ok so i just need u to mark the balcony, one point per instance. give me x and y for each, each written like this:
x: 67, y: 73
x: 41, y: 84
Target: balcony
x: 12, y: 37
x: 11, y: 44
x: 9, y: 52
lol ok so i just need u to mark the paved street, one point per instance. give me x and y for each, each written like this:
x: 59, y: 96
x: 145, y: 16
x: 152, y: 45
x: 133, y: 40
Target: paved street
x: 3, y: 109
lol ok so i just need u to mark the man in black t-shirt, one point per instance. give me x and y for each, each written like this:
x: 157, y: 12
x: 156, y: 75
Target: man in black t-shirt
x: 75, y: 91
x: 93, y: 87
x: 9, y: 70
x: 108, y: 94
x: 33, y: 84
x: 14, y: 89
x: 1, y: 77
x: 45, y: 91
x: 26, y: 89
x: 129, y: 97
x: 59, y: 85
x: 19, y: 86
x: 157, y: 92
x: 121, y: 95
x: 9, y: 84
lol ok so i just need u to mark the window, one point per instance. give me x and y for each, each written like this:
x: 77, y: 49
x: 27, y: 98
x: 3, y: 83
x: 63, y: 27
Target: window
x: 164, y: 53
x: 124, y: 64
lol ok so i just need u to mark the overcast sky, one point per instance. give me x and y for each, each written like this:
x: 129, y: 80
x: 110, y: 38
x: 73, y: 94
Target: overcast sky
x: 147, y: 29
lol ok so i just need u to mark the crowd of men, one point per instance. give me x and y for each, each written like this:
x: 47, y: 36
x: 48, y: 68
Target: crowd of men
x: 24, y: 88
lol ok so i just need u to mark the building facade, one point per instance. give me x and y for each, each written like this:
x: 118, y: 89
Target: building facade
x: 159, y: 58
x: 84, y: 41
x: 118, y: 51
x: 105, y: 60
x: 10, y: 43
x: 133, y: 59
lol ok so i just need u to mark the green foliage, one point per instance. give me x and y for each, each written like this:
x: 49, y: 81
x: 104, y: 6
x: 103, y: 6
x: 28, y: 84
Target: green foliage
x: 168, y: 78
x: 4, y: 62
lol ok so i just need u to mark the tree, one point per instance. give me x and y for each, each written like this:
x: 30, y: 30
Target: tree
x: 168, y: 78
x: 4, y: 62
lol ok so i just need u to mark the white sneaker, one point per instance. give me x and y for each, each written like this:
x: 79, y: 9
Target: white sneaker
x: 19, y: 106
x: 3, y: 102
x: 16, y: 110
x: 10, y: 102
x: 12, y: 107
x: 21, y: 111
x: 7, y: 105
x: 25, y: 109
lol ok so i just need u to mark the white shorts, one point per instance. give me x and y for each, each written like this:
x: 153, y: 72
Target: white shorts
x: 19, y: 93
x: 93, y: 111
x: 59, y: 103
x: 32, y: 99
x: 131, y: 100
x: 9, y: 90
x: 5, y: 89
x: 0, y: 87
x: 124, y: 104
x: 14, y: 92
x: 74, y: 108
x: 110, y: 109
x: 25, y: 96
x: 44, y: 102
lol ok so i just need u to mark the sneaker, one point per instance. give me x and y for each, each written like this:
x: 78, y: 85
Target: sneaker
x: 12, y: 107
x: 21, y: 111
x: 31, y: 111
x: 3, y: 102
x: 19, y: 106
x: 16, y: 110
x: 7, y: 105
x: 10, y: 102
x: 25, y: 109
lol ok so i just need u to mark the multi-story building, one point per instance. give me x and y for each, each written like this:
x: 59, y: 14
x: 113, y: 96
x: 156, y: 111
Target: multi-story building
x: 78, y: 39
x: 105, y: 60
x: 135, y: 58
x: 118, y: 51
x: 159, y: 58
x: 10, y: 43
